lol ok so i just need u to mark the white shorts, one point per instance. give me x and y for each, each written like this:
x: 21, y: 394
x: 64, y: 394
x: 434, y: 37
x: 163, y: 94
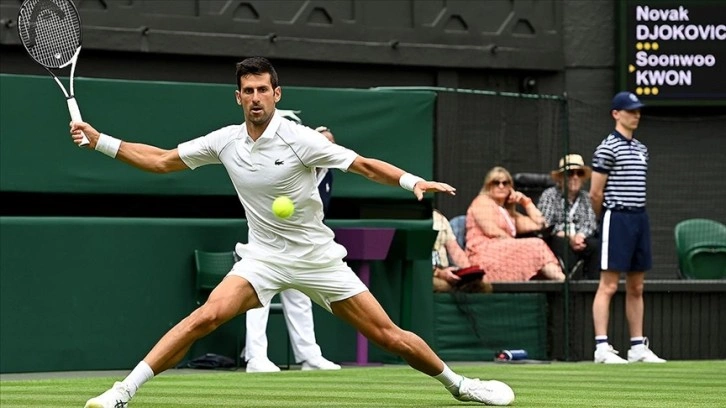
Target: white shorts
x: 331, y: 283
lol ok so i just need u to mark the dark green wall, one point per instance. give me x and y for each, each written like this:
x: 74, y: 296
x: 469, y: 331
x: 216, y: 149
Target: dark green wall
x: 37, y: 154
x: 473, y: 327
x: 97, y: 293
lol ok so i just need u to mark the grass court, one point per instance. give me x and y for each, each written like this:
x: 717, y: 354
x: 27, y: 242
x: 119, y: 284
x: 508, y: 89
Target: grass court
x: 674, y: 384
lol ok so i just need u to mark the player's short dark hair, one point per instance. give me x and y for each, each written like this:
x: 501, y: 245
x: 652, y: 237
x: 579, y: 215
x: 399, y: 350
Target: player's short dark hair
x: 255, y: 66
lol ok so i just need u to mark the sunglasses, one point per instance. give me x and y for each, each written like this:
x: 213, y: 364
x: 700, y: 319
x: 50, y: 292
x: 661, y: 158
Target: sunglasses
x: 503, y: 183
x: 579, y: 173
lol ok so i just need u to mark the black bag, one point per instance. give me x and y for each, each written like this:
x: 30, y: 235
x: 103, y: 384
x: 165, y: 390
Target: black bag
x: 210, y: 361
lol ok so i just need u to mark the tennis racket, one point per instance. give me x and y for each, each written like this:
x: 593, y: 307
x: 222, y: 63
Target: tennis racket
x: 50, y: 30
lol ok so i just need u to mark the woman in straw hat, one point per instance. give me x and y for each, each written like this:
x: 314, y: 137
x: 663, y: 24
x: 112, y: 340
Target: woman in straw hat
x: 492, y: 223
x: 567, y: 208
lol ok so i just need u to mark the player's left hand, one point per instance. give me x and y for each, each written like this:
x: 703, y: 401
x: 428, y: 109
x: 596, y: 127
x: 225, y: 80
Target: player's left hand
x: 432, y: 187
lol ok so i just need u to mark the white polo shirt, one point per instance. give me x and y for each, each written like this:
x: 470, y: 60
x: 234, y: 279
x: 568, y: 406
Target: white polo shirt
x: 281, y: 162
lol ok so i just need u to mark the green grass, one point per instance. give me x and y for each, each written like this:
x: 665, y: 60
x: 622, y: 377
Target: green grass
x: 675, y: 384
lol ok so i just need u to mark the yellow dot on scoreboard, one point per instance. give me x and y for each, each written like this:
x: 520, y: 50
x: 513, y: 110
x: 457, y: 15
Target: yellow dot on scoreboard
x: 646, y: 46
x: 654, y: 91
x: 646, y: 91
x: 639, y: 90
x: 655, y: 46
x: 638, y: 46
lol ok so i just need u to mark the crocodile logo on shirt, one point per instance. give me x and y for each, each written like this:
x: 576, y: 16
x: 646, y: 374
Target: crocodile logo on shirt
x: 279, y: 162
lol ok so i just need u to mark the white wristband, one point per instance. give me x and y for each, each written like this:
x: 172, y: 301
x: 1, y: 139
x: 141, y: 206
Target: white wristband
x: 408, y: 181
x: 108, y: 145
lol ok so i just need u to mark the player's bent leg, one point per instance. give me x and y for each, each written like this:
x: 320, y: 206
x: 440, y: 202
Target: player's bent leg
x: 234, y: 295
x: 365, y: 313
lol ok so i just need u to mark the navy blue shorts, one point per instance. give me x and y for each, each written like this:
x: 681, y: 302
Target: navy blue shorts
x: 625, y: 245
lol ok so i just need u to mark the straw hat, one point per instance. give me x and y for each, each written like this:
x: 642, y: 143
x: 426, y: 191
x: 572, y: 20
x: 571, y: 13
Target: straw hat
x: 571, y: 162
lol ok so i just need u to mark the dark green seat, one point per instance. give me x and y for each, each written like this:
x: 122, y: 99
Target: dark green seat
x: 701, y: 248
x: 211, y: 268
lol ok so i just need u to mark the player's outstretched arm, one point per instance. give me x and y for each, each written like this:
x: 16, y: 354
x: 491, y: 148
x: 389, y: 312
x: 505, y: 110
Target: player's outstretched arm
x: 385, y: 173
x: 142, y: 156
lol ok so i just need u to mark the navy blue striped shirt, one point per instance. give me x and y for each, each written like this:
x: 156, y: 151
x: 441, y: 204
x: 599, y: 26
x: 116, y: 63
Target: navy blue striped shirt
x: 626, y: 164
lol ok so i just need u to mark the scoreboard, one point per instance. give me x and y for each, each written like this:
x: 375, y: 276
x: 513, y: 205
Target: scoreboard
x: 673, y: 52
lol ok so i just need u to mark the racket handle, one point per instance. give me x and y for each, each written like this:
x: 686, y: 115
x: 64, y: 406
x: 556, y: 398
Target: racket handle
x: 76, y: 117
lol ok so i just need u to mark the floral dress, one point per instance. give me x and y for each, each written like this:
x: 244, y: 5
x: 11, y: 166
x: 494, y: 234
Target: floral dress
x: 503, y: 259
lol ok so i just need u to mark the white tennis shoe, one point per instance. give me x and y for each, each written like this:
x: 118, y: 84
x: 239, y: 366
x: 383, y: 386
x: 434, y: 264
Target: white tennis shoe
x: 319, y: 363
x: 490, y: 392
x: 642, y: 353
x: 608, y: 355
x: 116, y: 397
x: 261, y: 365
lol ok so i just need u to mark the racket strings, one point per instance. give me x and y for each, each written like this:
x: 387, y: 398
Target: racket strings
x: 50, y: 31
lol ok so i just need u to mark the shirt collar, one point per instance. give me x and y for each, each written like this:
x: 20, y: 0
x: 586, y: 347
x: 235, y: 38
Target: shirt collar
x: 621, y: 137
x: 272, y: 127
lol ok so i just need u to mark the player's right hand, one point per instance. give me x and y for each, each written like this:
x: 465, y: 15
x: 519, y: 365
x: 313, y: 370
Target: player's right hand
x: 78, y: 129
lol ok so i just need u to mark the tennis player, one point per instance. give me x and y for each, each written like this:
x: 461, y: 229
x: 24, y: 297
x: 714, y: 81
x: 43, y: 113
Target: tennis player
x: 267, y: 157
x: 296, y: 307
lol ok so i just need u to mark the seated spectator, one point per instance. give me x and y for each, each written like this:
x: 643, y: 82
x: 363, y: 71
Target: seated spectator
x: 492, y: 223
x: 574, y: 239
x: 448, y: 257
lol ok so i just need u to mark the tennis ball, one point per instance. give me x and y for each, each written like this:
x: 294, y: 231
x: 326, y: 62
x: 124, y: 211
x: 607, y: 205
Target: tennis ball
x: 283, y: 207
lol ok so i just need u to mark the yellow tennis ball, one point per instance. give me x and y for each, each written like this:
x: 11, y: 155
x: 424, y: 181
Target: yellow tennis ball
x: 283, y: 207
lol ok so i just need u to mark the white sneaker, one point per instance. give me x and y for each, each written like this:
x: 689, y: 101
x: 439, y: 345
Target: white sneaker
x: 491, y: 392
x: 261, y: 365
x: 319, y: 363
x: 116, y: 397
x: 642, y: 353
x: 608, y: 355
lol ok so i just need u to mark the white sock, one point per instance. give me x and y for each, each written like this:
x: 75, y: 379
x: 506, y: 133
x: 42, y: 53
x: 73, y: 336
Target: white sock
x: 601, y: 342
x: 637, y: 342
x: 450, y: 380
x: 138, y: 376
